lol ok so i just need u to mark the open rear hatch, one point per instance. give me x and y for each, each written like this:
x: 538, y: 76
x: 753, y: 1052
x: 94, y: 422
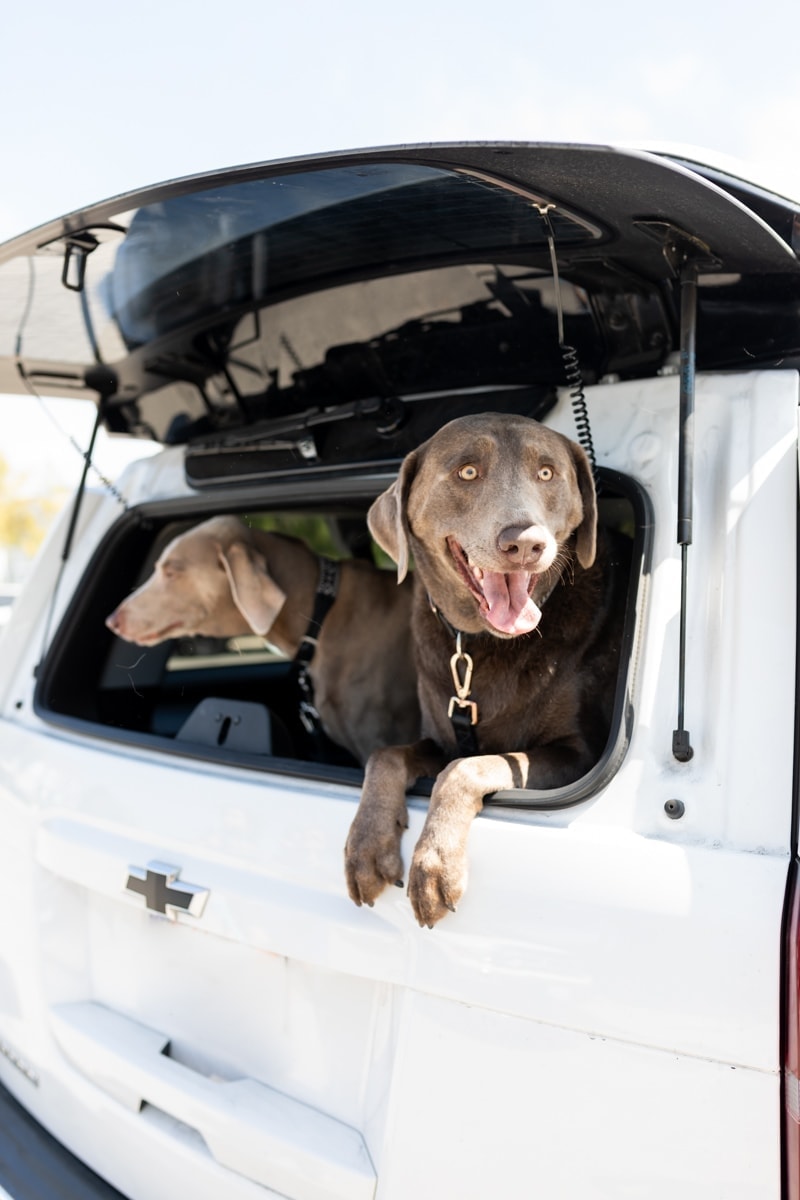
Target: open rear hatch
x: 299, y: 313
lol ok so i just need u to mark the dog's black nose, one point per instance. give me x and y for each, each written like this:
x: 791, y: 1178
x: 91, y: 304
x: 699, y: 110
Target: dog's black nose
x: 522, y: 545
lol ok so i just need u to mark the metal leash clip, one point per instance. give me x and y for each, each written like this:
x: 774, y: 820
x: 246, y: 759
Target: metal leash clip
x: 463, y: 685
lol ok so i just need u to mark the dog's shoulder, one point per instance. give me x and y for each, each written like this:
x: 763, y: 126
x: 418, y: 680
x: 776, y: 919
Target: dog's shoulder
x: 364, y: 585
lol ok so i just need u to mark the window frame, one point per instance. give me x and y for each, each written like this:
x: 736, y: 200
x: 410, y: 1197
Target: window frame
x: 142, y: 525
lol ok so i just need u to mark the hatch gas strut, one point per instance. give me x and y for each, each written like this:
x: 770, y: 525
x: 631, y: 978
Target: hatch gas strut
x: 681, y: 746
x: 685, y: 255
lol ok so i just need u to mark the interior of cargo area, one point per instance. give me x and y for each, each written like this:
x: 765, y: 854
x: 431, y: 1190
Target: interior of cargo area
x: 244, y: 698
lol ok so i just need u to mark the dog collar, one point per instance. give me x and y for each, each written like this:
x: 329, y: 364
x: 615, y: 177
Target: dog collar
x: 437, y: 612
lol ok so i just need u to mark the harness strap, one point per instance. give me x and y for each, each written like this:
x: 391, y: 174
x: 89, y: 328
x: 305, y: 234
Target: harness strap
x: 466, y: 737
x: 327, y: 587
x: 462, y: 711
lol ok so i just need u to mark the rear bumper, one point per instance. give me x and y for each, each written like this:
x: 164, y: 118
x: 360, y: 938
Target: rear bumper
x: 34, y: 1165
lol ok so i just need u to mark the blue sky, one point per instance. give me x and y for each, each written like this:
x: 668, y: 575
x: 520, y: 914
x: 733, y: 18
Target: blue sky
x: 97, y: 99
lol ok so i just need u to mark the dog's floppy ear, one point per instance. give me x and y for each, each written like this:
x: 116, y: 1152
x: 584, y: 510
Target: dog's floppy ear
x: 255, y: 593
x: 387, y: 516
x: 586, y: 533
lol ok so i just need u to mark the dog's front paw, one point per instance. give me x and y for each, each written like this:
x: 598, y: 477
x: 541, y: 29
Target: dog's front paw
x: 437, y: 880
x: 372, y: 856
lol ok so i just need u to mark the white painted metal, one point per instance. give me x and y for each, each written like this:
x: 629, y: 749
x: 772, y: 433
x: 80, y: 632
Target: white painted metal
x: 252, y: 1129
x: 601, y: 1016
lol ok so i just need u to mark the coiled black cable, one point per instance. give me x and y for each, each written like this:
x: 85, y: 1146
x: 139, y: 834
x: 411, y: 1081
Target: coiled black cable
x: 580, y: 412
x: 572, y: 368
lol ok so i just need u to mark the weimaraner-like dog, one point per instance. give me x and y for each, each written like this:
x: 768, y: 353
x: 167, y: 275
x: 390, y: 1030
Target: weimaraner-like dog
x: 224, y: 579
x: 517, y: 626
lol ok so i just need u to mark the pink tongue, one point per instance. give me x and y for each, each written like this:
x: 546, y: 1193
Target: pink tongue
x: 507, y: 605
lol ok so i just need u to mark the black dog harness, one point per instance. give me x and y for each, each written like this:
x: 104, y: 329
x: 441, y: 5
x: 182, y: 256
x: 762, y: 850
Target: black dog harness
x: 327, y: 587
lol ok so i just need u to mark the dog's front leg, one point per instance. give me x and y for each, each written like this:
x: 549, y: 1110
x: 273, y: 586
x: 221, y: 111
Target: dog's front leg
x: 438, y: 876
x: 372, y: 851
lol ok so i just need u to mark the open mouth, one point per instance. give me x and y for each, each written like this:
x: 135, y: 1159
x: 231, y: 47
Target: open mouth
x: 505, y: 599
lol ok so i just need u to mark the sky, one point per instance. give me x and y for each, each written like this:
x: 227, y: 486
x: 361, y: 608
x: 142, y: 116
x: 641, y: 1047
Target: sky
x: 99, y: 99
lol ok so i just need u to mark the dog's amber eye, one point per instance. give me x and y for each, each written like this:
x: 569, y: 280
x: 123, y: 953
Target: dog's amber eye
x: 468, y: 472
x: 545, y: 474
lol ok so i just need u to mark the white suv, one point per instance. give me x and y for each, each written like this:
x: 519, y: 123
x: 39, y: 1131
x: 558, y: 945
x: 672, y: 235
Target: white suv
x: 190, y: 1003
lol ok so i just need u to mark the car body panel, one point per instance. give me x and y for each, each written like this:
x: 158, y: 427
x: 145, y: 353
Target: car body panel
x: 603, y: 941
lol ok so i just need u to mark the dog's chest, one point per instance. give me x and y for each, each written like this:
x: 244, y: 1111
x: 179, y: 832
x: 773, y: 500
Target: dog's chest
x: 521, y: 692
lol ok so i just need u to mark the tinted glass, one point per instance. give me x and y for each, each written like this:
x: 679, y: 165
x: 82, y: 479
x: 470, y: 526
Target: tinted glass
x: 250, y: 242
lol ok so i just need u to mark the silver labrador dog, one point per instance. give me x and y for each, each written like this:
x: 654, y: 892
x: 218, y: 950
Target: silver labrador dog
x: 517, y: 625
x: 223, y: 578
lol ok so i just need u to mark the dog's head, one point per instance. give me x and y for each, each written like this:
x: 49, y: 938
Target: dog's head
x: 210, y: 580
x: 491, y: 507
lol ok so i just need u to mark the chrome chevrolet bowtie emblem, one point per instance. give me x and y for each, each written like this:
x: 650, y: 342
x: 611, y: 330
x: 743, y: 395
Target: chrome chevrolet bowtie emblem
x: 163, y: 892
